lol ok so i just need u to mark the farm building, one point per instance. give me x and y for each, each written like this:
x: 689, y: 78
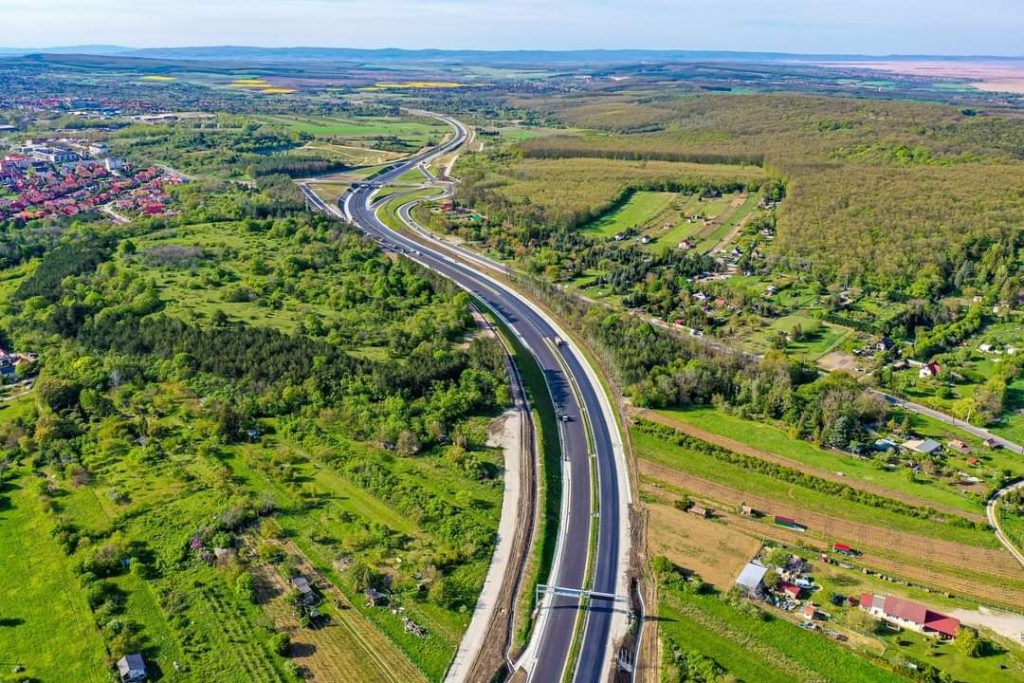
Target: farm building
x: 788, y: 523
x: 844, y: 549
x: 810, y: 612
x: 306, y: 594
x: 923, y: 446
x: 131, y: 669
x: 959, y: 446
x: 751, y: 578
x: 907, y: 614
x: 699, y: 511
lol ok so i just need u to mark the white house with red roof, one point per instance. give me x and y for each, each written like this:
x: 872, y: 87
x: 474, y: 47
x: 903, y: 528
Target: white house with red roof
x: 910, y: 615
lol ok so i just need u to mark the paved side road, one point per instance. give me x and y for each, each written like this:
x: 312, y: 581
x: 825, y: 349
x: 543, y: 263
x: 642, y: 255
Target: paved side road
x: 942, y: 417
x: 993, y: 519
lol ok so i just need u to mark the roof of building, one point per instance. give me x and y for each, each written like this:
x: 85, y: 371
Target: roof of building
x: 922, y: 445
x: 131, y: 663
x: 913, y: 612
x: 751, y: 576
x: 301, y: 583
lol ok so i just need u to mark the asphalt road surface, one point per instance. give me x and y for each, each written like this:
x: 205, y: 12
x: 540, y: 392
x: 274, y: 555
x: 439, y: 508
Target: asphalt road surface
x: 562, y: 370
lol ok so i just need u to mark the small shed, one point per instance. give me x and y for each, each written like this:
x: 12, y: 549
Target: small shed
x: 792, y: 590
x: 699, y: 511
x: 131, y: 668
x: 923, y: 446
x: 751, y: 578
x: 959, y: 446
x: 306, y: 593
x: 374, y: 598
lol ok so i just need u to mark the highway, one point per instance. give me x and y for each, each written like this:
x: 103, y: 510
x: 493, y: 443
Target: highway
x: 577, y: 395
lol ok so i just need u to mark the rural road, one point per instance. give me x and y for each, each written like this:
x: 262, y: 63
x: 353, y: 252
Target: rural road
x: 947, y: 419
x: 591, y: 443
x: 991, y: 509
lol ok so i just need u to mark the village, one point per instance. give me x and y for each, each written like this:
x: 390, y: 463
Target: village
x: 67, y: 177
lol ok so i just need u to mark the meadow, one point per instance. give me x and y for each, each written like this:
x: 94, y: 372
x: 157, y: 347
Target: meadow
x: 407, y: 133
x: 652, y: 449
x: 754, y: 647
x: 775, y: 439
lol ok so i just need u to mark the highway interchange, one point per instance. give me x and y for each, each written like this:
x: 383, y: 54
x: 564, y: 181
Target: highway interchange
x: 589, y: 435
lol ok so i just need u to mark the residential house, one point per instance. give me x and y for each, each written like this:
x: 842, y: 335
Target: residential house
x: 907, y: 614
x: 791, y: 590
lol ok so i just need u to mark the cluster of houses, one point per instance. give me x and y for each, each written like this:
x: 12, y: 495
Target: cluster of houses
x: 795, y: 586
x: 9, y: 363
x: 43, y: 180
x: 458, y: 214
x: 791, y: 593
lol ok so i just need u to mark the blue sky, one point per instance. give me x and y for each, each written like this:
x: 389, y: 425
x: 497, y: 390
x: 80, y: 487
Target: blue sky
x: 827, y: 26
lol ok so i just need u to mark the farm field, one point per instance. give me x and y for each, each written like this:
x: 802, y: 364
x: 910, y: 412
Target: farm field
x: 636, y: 212
x: 930, y: 561
x: 412, y: 134
x: 756, y: 649
x: 767, y: 437
x: 714, y: 551
x: 798, y: 497
x: 576, y: 191
x: 349, y: 154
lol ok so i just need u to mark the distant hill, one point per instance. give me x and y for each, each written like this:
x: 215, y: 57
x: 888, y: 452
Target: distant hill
x: 228, y: 53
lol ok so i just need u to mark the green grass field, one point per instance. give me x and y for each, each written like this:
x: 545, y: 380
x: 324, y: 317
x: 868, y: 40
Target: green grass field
x: 45, y: 621
x: 736, y: 477
x: 753, y: 649
x: 775, y: 440
x: 636, y: 211
x: 413, y: 132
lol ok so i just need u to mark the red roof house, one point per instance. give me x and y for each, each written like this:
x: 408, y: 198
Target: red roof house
x: 791, y: 590
x: 910, y: 614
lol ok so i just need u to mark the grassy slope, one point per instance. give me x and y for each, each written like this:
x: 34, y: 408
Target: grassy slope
x: 699, y: 465
x: 774, y: 439
x: 633, y: 213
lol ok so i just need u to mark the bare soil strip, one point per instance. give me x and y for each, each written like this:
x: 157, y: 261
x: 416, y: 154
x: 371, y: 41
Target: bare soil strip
x: 983, y: 573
